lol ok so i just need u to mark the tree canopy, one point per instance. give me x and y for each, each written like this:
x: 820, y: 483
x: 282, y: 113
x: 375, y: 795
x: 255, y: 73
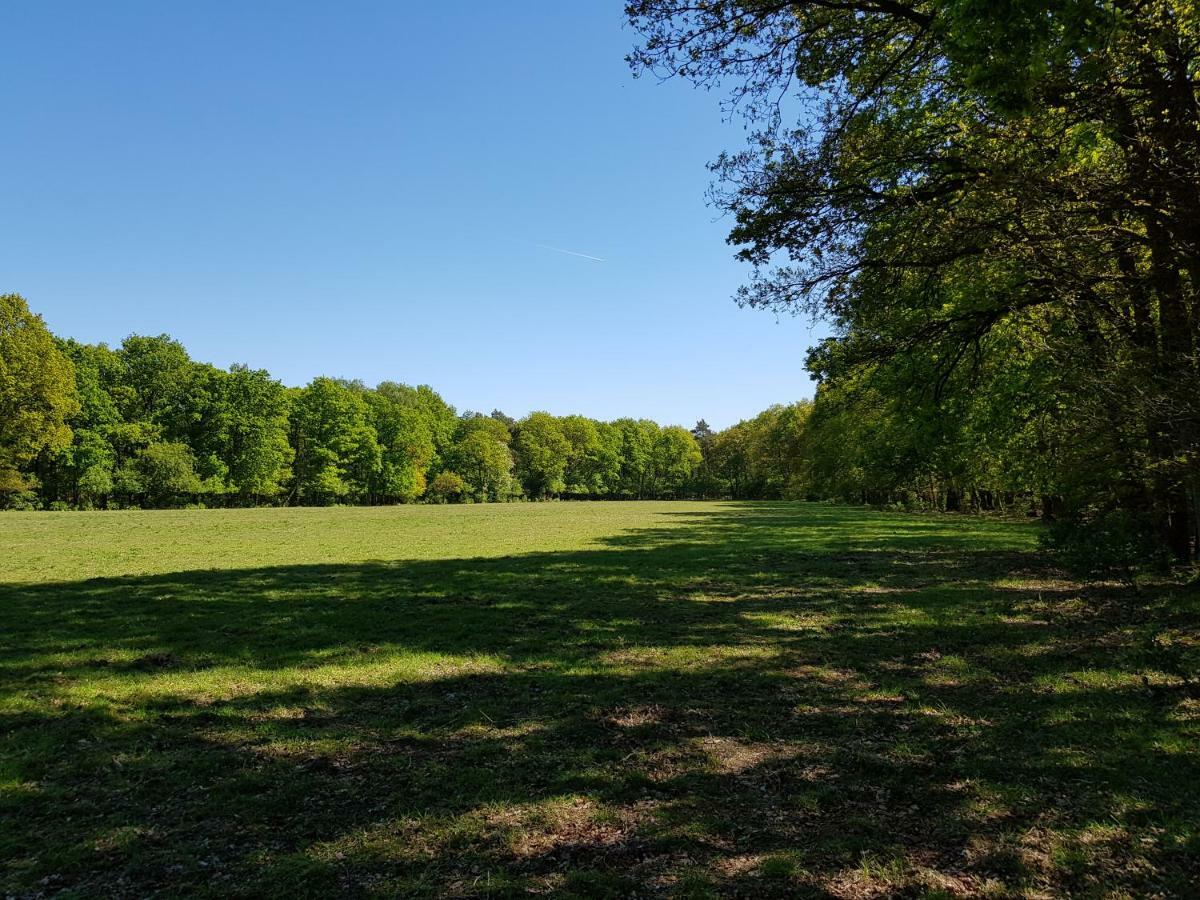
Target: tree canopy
x: 37, y: 391
x: 997, y: 208
x: 146, y: 425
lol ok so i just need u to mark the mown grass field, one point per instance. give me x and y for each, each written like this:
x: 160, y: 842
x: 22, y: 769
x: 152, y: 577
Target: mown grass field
x: 612, y: 699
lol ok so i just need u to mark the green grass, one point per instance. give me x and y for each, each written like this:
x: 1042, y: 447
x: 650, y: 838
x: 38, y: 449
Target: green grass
x: 678, y: 699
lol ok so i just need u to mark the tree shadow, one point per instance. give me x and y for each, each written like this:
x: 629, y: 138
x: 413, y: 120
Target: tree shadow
x: 765, y: 700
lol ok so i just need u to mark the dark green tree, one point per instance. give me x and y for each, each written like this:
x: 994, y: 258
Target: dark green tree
x: 964, y: 173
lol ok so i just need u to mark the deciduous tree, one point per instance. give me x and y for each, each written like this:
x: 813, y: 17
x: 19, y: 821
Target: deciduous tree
x: 37, y: 391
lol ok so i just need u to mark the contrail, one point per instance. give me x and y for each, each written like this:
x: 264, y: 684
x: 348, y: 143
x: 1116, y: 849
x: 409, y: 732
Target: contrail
x: 570, y: 252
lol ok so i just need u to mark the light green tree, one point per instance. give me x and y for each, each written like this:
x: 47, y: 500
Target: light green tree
x: 675, y: 459
x: 37, y: 391
x: 405, y: 427
x: 638, y: 440
x: 446, y: 487
x: 481, y: 455
x: 168, y: 474
x: 542, y: 452
x: 255, y: 449
x: 336, y: 451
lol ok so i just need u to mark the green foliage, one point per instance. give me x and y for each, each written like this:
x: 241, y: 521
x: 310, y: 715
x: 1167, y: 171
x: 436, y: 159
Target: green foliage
x: 1101, y: 544
x: 157, y: 379
x: 37, y: 391
x: 676, y: 456
x: 446, y: 487
x: 127, y: 482
x: 95, y: 484
x: 480, y: 455
x: 638, y: 437
x: 16, y: 494
x: 994, y: 207
x: 542, y: 452
x: 337, y: 454
x: 406, y: 424
x: 761, y: 458
x: 587, y: 470
x: 247, y: 432
x: 154, y: 427
x: 166, y: 472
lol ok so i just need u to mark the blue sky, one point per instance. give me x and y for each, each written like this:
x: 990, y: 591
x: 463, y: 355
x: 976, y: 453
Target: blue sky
x: 360, y: 190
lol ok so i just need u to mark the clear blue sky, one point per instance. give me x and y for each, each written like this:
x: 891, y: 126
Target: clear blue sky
x: 360, y: 190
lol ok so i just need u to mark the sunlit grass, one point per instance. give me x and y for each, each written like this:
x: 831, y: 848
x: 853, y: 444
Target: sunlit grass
x: 590, y: 699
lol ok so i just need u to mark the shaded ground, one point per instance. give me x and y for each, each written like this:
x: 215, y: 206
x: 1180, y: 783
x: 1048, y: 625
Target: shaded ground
x: 734, y: 699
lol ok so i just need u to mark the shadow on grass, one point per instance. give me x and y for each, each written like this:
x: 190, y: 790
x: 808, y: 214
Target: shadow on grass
x: 764, y: 700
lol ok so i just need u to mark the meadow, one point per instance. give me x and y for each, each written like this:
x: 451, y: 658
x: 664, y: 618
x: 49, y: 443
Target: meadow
x: 585, y: 699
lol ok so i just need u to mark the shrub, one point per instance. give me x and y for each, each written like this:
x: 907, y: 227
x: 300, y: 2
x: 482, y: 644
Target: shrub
x: 168, y: 472
x: 447, y: 487
x: 96, y: 482
x: 1099, y: 544
x: 19, y: 500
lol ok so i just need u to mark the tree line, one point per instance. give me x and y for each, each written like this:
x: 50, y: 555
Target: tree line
x: 87, y: 426
x: 996, y: 207
x: 145, y: 425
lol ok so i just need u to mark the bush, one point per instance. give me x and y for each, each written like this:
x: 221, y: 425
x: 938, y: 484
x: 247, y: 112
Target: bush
x: 168, y: 472
x: 19, y: 500
x: 95, y: 482
x: 1103, y: 544
x: 447, y: 487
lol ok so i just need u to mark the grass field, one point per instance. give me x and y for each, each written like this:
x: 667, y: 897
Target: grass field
x: 612, y: 699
